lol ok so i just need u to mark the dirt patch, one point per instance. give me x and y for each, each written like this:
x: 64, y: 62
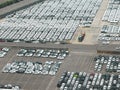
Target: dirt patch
x: 1, y: 1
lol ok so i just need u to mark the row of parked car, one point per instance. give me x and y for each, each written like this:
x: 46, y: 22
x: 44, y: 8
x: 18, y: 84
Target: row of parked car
x: 83, y: 11
x: 44, y: 52
x: 112, y: 63
x: 38, y: 33
x: 112, y: 14
x: 9, y: 87
x: 110, y: 33
x: 3, y: 51
x: 88, y: 81
x: 48, y: 21
x: 49, y: 68
x: 111, y: 29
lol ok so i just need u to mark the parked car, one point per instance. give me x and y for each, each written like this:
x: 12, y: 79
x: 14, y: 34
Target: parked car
x: 44, y: 52
x: 37, y: 68
x: 88, y: 81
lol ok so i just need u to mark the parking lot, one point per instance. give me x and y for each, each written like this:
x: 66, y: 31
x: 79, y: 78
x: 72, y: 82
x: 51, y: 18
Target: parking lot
x: 23, y: 67
x: 112, y: 13
x: 42, y: 23
x: 107, y: 63
x: 74, y: 62
x: 53, y: 21
x: 60, y: 53
x: 88, y: 81
x: 109, y: 33
x: 26, y: 80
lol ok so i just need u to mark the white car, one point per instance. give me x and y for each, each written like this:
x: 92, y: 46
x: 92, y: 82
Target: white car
x: 5, y: 49
x: 52, y: 72
x: 105, y: 42
x: 117, y: 48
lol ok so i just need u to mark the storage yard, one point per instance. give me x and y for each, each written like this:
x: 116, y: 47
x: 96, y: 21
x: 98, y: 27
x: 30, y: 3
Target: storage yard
x: 52, y: 24
x: 60, y: 45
